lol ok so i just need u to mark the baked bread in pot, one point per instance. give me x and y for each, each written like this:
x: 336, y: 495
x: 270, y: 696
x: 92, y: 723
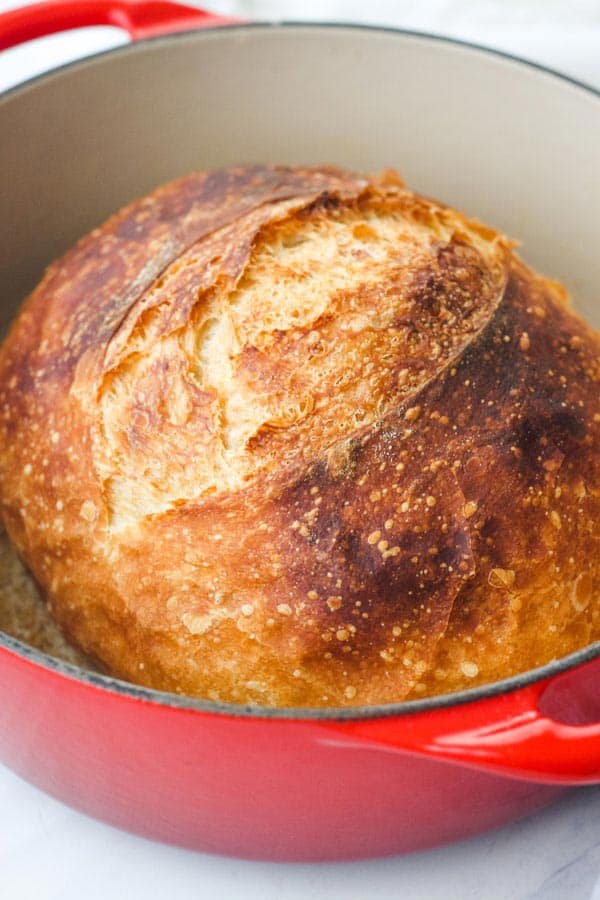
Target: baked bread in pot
x: 296, y: 436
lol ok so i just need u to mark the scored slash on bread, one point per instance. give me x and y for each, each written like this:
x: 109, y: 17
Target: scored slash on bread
x: 294, y: 436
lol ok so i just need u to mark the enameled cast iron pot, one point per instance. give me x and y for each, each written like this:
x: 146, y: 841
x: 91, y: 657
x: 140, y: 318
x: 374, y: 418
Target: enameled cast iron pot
x: 509, y: 142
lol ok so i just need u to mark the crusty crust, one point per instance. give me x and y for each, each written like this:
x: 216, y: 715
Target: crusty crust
x: 300, y: 437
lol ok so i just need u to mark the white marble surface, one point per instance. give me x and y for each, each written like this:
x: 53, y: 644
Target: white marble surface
x: 48, y: 852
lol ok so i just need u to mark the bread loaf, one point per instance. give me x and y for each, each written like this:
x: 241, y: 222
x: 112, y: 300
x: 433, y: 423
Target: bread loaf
x: 293, y: 436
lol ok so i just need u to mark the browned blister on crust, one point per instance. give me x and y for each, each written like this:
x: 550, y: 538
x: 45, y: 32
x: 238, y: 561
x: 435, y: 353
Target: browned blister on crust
x: 300, y: 437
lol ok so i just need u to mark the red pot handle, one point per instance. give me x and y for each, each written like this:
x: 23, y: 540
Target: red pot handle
x: 508, y: 734
x: 140, y: 18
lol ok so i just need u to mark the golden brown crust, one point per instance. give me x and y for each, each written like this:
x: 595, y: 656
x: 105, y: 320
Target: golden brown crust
x: 296, y: 436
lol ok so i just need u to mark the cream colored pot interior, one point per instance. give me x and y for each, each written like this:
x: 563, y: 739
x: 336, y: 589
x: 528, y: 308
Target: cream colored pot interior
x: 506, y: 142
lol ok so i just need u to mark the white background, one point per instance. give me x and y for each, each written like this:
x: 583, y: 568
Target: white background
x: 48, y: 852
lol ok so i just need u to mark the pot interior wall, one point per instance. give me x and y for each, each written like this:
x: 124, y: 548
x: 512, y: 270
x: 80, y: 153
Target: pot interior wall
x: 510, y: 144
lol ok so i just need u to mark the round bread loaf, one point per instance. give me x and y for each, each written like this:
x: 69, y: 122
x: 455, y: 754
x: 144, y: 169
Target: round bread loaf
x: 292, y: 436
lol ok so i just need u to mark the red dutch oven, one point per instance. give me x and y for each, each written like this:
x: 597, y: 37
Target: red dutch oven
x: 516, y: 145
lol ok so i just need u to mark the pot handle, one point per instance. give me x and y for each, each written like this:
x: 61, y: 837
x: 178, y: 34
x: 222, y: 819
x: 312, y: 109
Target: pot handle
x: 511, y: 734
x: 139, y: 18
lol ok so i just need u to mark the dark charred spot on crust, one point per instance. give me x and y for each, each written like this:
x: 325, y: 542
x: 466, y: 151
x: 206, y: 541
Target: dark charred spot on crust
x: 544, y: 438
x: 326, y: 202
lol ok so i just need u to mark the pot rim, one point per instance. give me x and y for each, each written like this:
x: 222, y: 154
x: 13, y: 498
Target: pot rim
x: 453, y: 699
x: 290, y: 24
x: 132, y: 691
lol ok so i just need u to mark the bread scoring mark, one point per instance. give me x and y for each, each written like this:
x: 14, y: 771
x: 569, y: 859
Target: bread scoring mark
x: 283, y: 344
